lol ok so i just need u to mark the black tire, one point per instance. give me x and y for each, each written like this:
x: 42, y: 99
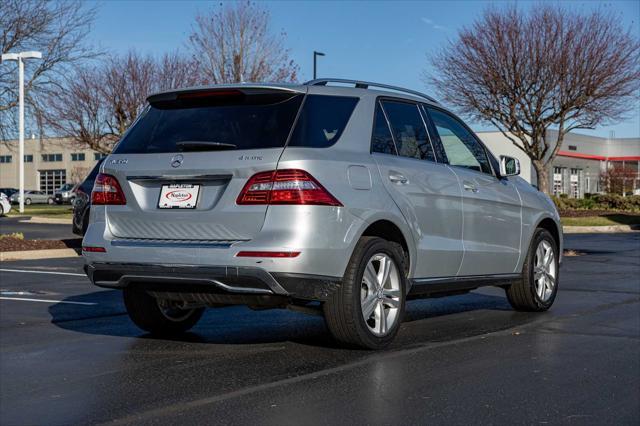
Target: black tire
x: 343, y: 310
x: 144, y: 311
x: 522, y: 295
x: 85, y: 222
x: 27, y: 201
x: 1, y: 210
x: 51, y: 201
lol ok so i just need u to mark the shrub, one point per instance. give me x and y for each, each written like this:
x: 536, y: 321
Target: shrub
x: 599, y: 202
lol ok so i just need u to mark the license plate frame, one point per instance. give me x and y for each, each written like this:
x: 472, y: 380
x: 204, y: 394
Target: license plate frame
x: 182, y: 196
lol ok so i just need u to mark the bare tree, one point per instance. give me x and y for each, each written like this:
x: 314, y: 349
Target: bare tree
x: 235, y: 44
x: 525, y: 73
x: 619, y: 178
x: 59, y: 30
x: 100, y: 102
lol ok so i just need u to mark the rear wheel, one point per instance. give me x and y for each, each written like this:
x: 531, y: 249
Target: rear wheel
x: 160, y: 317
x: 539, y: 285
x: 367, y: 310
x: 27, y: 201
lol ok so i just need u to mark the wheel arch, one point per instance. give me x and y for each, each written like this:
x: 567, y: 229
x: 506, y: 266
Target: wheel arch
x: 390, y: 231
x: 551, y: 226
x: 555, y: 229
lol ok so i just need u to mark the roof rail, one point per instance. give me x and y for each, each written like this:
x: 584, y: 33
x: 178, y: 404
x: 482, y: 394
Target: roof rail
x: 365, y: 84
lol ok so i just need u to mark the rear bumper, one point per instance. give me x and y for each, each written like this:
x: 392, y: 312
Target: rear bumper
x: 219, y: 280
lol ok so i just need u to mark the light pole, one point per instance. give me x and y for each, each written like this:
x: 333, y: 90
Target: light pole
x: 20, y: 58
x: 315, y: 55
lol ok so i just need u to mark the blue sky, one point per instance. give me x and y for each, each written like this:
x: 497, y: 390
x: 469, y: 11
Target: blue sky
x: 368, y: 40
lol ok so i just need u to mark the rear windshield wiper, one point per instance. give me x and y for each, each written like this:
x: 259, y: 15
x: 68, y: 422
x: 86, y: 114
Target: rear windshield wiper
x: 204, y: 146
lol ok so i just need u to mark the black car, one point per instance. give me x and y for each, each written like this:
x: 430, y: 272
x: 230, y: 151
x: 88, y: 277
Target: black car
x: 82, y: 202
x: 8, y: 191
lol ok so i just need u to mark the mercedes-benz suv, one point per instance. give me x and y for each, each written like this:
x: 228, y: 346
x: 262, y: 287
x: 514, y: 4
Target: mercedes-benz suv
x: 334, y: 196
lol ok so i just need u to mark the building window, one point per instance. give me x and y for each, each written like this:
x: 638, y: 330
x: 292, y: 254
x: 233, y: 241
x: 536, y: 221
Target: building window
x: 5, y: 159
x: 573, y: 148
x: 28, y: 158
x: 77, y: 156
x: 575, y: 183
x: 48, y: 158
x: 50, y: 180
x: 557, y: 181
x: 98, y: 156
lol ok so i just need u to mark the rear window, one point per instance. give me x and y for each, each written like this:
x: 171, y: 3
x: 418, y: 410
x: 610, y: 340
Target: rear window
x: 322, y: 120
x: 246, y: 121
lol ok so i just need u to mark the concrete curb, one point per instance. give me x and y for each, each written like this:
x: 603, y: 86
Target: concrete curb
x: 47, y: 220
x: 599, y: 229
x: 37, y: 254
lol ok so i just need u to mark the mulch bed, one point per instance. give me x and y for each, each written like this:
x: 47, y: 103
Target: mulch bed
x: 17, y: 244
x: 590, y: 213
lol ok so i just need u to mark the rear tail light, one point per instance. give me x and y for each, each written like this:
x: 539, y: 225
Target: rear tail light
x: 268, y: 254
x: 107, y: 191
x: 290, y: 186
x: 93, y: 249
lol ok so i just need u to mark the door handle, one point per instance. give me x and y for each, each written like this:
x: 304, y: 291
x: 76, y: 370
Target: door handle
x: 469, y: 187
x: 397, y: 178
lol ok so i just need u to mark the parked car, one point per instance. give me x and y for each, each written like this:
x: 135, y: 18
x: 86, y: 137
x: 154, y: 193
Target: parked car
x: 82, y: 202
x: 8, y: 191
x: 342, y: 200
x: 65, y: 194
x: 5, y: 205
x: 32, y: 197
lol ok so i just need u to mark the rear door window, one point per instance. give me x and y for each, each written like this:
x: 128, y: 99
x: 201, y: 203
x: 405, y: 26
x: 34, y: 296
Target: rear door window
x: 408, y: 129
x: 234, y: 119
x: 381, y: 139
x: 322, y: 120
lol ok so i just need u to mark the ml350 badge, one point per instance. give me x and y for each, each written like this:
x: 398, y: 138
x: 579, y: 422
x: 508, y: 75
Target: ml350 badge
x: 183, y: 196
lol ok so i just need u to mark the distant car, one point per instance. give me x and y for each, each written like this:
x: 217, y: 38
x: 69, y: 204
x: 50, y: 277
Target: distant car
x: 32, y: 197
x: 65, y: 194
x: 5, y: 205
x: 82, y: 202
x: 8, y: 191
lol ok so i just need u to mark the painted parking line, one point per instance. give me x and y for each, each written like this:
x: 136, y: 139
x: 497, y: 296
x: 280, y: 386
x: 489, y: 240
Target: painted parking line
x: 24, y: 299
x: 28, y: 271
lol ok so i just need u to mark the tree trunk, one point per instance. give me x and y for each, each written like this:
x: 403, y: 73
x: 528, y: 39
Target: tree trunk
x: 542, y: 171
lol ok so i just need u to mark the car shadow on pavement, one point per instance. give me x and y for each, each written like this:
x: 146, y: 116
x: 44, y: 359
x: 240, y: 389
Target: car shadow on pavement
x: 103, y: 313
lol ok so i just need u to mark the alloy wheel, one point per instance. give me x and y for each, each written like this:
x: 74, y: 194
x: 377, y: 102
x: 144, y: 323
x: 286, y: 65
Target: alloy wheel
x: 544, y: 271
x: 173, y: 311
x: 380, y: 294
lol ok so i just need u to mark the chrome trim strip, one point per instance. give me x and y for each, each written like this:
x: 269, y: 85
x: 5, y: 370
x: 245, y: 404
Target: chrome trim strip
x: 250, y: 290
x: 171, y: 244
x: 465, y: 278
x: 174, y: 178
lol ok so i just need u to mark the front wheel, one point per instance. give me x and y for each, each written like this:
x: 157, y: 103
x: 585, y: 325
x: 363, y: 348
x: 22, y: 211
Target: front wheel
x: 367, y: 310
x: 27, y: 201
x: 539, y: 285
x: 160, y: 317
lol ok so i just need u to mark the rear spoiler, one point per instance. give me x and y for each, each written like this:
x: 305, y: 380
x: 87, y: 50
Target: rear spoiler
x: 225, y: 91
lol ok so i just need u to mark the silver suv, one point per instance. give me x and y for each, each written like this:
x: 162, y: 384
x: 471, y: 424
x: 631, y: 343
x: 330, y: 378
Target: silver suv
x: 328, y: 197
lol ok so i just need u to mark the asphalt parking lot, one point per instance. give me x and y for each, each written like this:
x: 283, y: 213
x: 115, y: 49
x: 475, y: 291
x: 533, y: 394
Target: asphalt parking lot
x: 70, y: 355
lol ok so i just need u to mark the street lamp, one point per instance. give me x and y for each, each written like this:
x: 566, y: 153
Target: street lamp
x: 315, y: 55
x: 20, y: 57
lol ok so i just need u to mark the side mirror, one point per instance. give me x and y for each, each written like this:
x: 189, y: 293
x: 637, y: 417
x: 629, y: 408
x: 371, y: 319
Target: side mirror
x: 509, y: 166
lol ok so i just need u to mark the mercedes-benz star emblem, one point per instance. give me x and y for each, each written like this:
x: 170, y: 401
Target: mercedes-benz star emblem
x: 176, y: 161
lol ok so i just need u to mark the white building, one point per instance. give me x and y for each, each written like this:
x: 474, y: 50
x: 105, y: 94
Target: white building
x: 49, y: 163
x: 576, y: 169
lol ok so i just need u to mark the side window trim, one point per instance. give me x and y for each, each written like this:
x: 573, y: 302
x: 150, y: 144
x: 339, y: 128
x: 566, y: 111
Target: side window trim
x: 377, y: 105
x: 471, y: 132
x: 379, y: 101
